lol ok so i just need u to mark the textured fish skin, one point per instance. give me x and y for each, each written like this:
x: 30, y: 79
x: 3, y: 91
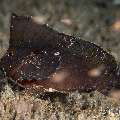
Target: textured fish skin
x: 40, y: 56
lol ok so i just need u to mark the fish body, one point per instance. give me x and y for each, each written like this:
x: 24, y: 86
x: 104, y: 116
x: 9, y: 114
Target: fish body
x: 40, y: 56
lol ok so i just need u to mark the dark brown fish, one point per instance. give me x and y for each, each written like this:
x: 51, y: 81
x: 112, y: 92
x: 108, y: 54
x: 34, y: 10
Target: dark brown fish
x: 44, y: 58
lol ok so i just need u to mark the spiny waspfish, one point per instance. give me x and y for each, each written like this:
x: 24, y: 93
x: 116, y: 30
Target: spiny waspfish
x: 41, y: 57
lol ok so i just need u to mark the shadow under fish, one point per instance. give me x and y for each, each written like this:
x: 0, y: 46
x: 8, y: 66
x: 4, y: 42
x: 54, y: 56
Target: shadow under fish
x: 41, y: 58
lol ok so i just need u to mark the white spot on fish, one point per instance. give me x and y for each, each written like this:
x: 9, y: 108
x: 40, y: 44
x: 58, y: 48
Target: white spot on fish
x: 57, y: 53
